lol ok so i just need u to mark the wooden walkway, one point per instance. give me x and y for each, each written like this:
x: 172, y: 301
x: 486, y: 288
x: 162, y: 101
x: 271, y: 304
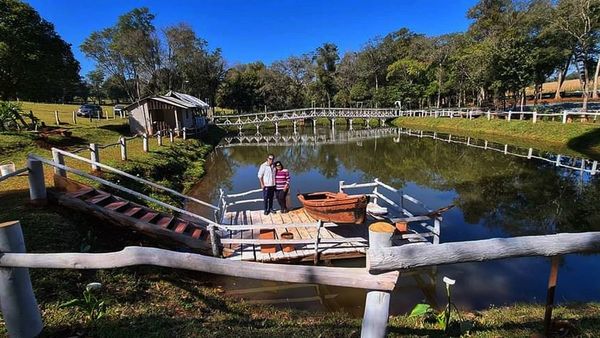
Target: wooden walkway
x: 330, y: 232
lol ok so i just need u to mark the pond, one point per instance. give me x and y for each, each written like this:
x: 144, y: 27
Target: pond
x: 495, y: 194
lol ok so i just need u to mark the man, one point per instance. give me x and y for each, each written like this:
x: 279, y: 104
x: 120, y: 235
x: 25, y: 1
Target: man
x: 266, y: 177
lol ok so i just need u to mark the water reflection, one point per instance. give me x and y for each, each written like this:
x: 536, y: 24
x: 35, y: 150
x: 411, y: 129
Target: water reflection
x: 496, y: 195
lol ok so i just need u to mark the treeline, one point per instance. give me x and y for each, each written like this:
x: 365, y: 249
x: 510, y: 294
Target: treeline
x: 510, y: 45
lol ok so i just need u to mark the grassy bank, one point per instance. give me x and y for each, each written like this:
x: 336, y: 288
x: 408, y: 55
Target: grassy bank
x: 571, y: 138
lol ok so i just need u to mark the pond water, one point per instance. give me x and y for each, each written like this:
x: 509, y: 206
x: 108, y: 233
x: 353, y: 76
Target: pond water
x: 495, y: 195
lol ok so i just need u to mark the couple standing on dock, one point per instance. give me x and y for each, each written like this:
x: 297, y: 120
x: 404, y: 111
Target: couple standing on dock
x: 274, y: 181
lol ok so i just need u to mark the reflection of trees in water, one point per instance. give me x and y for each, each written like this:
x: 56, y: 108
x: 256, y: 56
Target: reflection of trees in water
x: 520, y: 196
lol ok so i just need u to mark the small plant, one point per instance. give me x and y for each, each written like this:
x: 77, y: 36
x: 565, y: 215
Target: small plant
x: 443, y: 317
x: 90, y: 303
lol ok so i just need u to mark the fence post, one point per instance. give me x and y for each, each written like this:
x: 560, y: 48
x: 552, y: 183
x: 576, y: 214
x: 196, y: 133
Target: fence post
x: 171, y: 135
x: 74, y: 117
x: 17, y: 300
x: 555, y: 260
x: 123, y: 143
x: 534, y: 116
x: 159, y: 138
x: 564, y: 118
x: 59, y: 158
x: 56, y: 118
x: 94, y: 156
x: 215, y: 241
x: 594, y: 167
x: 489, y: 115
x: 530, y: 153
x: 37, y: 184
x: 509, y: 115
x: 377, y: 304
x: 184, y: 133
x: 145, y: 142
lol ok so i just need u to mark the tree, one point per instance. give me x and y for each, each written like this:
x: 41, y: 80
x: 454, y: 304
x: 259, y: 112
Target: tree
x: 326, y: 59
x: 35, y: 63
x: 96, y: 79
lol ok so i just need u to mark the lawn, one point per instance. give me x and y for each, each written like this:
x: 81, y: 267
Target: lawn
x: 577, y: 138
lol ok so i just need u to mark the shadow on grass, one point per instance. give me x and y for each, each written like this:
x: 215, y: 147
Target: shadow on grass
x: 588, y: 144
x: 122, y: 128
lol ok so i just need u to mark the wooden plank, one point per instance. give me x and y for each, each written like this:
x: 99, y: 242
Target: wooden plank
x: 299, y: 233
x: 149, y: 216
x: 418, y: 255
x: 293, y: 241
x: 131, y: 256
x: 180, y: 226
x: 165, y: 221
x: 81, y: 192
x: 98, y: 198
x: 132, y: 211
x: 117, y: 205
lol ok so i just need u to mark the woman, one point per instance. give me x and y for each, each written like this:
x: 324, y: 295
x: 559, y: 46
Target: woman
x: 282, y: 185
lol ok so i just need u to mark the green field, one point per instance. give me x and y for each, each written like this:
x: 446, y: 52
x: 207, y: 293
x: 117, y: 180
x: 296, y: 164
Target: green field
x: 577, y: 138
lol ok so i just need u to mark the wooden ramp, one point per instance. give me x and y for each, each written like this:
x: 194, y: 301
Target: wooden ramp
x: 161, y: 226
x: 333, y: 238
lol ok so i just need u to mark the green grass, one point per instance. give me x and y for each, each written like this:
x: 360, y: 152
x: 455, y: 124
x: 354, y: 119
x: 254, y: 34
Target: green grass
x: 576, y: 138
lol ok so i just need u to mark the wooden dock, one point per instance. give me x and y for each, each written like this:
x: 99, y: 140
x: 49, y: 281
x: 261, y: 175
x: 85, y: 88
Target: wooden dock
x: 334, y: 241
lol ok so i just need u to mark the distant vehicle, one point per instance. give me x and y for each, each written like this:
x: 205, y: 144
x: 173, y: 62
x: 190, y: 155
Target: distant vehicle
x: 119, y: 109
x: 90, y: 110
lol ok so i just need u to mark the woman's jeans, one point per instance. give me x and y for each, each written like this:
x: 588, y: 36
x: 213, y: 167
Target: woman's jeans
x: 281, y: 198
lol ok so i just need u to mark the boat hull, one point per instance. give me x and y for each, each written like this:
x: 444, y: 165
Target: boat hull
x: 335, y: 207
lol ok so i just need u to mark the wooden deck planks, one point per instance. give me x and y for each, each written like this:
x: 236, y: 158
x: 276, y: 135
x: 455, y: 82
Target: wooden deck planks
x: 303, y: 252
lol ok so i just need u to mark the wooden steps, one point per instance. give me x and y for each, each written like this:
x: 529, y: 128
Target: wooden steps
x: 143, y: 219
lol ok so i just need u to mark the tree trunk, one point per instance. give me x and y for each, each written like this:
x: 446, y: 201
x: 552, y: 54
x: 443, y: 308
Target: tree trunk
x: 595, y: 92
x: 439, y: 91
x: 561, y: 77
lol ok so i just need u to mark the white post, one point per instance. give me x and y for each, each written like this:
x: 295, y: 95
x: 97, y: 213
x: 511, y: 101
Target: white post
x: 276, y: 128
x: 557, y: 160
x: 350, y: 120
x: 177, y: 123
x: 184, y: 133
x: 295, y: 127
x: 530, y: 153
x: 56, y: 118
x: 95, y: 156
x: 19, y: 308
x: 37, y: 184
x: 509, y: 115
x: 534, y: 116
x: 74, y: 117
x: 505, y: 149
x: 171, y: 135
x: 159, y: 138
x: 145, y: 142
x: 594, y: 167
x: 485, y: 145
x: 123, y: 143
x: 564, y: 118
x: 377, y: 305
x: 58, y: 158
x: 341, y: 185
x: 489, y: 115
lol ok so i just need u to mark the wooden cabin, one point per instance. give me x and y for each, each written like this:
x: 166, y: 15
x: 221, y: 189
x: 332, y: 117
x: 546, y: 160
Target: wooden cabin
x: 170, y: 111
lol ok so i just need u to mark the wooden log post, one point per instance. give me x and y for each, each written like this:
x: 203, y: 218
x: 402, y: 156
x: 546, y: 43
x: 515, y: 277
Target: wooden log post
x: 145, y: 142
x: 17, y: 301
x: 377, y: 304
x: 95, y: 156
x: 56, y: 118
x: 215, y: 241
x: 74, y: 117
x: 59, y: 158
x: 550, y: 294
x: 123, y: 144
x: 37, y: 184
x: 159, y: 138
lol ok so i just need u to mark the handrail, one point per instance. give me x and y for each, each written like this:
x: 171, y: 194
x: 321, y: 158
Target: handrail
x: 118, y: 187
x: 135, y: 178
x: 234, y: 227
x: 13, y: 174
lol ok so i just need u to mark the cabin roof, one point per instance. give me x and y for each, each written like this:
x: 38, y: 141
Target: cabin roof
x: 175, y: 99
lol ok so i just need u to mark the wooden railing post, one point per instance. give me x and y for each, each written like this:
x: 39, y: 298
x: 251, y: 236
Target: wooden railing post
x: 123, y: 144
x: 58, y: 158
x: 17, y: 301
x: 184, y: 133
x: 94, y: 156
x: 215, y: 241
x: 564, y: 117
x: 145, y: 142
x: 534, y: 116
x: 37, y: 184
x: 56, y: 118
x: 171, y: 135
x: 159, y: 138
x: 74, y: 117
x: 377, y: 305
x: 555, y: 260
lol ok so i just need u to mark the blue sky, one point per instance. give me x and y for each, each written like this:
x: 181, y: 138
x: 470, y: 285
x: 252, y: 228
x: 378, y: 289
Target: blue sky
x: 249, y: 30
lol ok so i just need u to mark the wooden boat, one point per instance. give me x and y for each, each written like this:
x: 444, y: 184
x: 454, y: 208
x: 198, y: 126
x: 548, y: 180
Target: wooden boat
x: 335, y: 207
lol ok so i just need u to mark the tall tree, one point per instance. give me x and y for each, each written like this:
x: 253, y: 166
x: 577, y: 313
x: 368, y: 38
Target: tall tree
x: 35, y: 63
x: 96, y: 79
x: 326, y: 59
